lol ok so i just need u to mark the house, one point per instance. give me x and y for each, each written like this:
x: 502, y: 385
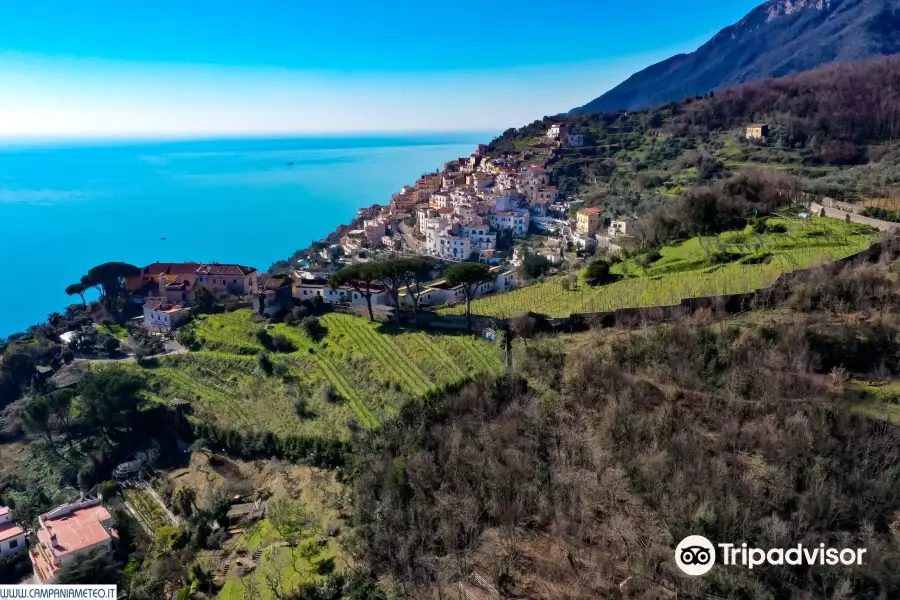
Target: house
x: 548, y: 193
x: 504, y: 279
x: 345, y: 294
x: 152, y: 274
x: 223, y: 280
x: 574, y: 140
x: 538, y: 208
x: 480, y: 237
x: 66, y: 532
x: 446, y: 244
x: 556, y: 131
x: 622, y: 227
x: 160, y: 315
x: 275, y: 296
x: 12, y: 536
x: 517, y: 220
x: 481, y: 150
x: 588, y: 220
x: 757, y: 131
x: 440, y: 200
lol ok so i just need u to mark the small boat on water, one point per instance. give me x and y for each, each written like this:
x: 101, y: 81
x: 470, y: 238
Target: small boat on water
x: 290, y: 164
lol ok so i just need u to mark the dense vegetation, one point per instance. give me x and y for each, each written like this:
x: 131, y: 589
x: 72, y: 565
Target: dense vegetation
x: 577, y: 474
x: 820, y: 120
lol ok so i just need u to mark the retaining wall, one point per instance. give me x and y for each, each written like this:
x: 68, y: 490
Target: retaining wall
x: 836, y: 213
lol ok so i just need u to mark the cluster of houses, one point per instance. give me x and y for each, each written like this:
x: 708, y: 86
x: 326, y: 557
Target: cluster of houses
x: 168, y: 290
x: 62, y: 534
x: 457, y: 214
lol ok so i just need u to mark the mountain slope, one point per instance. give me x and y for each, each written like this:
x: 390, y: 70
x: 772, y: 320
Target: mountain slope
x: 776, y: 38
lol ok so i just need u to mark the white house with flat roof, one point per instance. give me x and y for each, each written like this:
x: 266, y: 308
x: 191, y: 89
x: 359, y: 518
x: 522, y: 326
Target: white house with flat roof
x: 12, y: 535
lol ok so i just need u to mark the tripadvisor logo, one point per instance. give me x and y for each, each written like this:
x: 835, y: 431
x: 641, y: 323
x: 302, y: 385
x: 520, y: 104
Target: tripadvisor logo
x: 695, y: 555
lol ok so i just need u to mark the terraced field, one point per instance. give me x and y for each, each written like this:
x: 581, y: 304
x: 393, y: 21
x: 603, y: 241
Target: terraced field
x: 371, y: 368
x: 685, y: 271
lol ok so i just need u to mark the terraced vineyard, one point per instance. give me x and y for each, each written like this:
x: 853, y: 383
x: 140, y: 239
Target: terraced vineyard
x: 371, y: 369
x: 685, y: 271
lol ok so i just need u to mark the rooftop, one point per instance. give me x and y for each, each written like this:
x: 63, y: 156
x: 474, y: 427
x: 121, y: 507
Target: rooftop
x: 76, y: 530
x: 227, y: 269
x: 593, y: 210
x: 10, y: 530
x: 157, y: 268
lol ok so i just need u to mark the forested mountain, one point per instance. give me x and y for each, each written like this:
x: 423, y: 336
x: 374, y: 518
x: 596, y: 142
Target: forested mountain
x: 777, y: 38
x: 832, y: 131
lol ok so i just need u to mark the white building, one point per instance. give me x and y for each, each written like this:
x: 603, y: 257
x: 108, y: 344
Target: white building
x: 480, y: 237
x: 161, y: 315
x: 344, y: 294
x: 444, y: 244
x: 517, y: 220
x: 556, y: 129
x: 622, y: 227
x: 12, y: 536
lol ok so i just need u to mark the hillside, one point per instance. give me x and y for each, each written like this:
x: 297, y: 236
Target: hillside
x: 777, y: 38
x: 831, y: 131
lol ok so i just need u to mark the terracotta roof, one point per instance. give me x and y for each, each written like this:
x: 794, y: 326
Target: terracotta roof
x: 4, y: 510
x: 275, y: 282
x: 219, y: 269
x: 10, y: 530
x: 156, y: 268
x: 592, y: 210
x: 78, y: 530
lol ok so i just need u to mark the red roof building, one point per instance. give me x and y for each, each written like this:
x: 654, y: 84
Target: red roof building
x: 68, y: 531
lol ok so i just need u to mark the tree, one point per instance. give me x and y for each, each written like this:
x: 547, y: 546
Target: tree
x: 185, y: 500
x: 394, y: 273
x: 470, y: 276
x: 110, y: 401
x: 419, y: 273
x: 204, y: 302
x: 597, y: 273
x: 111, y: 278
x: 49, y: 415
x: 77, y: 289
x: 97, y: 566
x: 361, y: 277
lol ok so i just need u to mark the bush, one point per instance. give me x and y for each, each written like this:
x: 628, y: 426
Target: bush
x: 265, y: 365
x: 111, y: 345
x: 300, y: 312
x: 331, y: 395
x: 301, y: 408
x: 281, y: 370
x: 598, y: 273
x: 312, y: 327
x: 68, y: 356
x: 264, y: 338
x: 107, y: 490
x: 281, y: 344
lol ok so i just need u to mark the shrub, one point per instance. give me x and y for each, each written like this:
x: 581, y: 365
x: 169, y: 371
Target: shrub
x: 111, y: 345
x: 107, y: 490
x: 263, y: 337
x: 330, y: 395
x: 301, y: 408
x: 598, y: 273
x: 265, y: 364
x: 281, y: 344
x: 312, y: 327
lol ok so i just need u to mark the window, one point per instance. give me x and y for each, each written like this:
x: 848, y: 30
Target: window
x: 13, y: 544
x: 234, y: 280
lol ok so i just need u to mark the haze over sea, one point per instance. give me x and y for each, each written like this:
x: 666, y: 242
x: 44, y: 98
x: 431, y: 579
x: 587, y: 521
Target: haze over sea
x: 67, y: 207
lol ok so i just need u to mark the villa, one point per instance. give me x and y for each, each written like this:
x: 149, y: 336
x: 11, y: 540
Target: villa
x: 66, y: 532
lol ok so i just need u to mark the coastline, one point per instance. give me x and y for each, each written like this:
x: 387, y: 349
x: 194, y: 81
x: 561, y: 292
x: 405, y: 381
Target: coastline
x: 230, y: 204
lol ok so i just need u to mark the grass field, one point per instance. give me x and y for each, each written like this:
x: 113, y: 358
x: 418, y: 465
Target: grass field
x: 684, y: 271
x: 371, y: 367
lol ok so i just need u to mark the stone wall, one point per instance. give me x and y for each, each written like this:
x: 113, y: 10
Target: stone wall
x: 835, y: 213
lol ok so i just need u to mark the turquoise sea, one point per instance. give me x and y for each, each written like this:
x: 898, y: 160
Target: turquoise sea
x: 67, y: 207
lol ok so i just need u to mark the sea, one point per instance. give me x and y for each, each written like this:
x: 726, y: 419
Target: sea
x: 65, y: 207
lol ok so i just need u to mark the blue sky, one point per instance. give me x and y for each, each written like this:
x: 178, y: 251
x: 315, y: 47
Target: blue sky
x: 109, y: 68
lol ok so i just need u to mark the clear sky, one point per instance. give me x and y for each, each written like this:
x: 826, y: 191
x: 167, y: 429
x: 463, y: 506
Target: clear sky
x: 108, y: 68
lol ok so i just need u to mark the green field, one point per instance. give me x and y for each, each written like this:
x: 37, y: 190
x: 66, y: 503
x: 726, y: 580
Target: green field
x: 684, y: 271
x: 372, y: 368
